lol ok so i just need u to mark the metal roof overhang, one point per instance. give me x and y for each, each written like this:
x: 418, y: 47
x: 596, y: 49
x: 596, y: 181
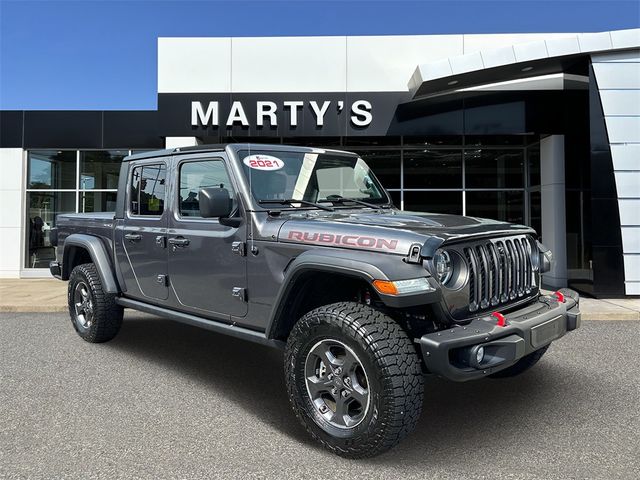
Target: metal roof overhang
x: 534, y: 87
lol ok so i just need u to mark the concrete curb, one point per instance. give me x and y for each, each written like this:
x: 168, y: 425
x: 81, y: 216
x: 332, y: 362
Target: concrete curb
x: 33, y: 309
x: 47, y: 295
x: 629, y: 315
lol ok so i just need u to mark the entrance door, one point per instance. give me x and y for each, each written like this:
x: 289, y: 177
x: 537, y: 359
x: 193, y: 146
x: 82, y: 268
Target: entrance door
x: 145, y: 229
x: 206, y: 272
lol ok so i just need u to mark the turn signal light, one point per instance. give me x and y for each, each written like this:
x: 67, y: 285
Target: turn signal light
x: 385, y: 286
x: 401, y: 287
x: 560, y: 296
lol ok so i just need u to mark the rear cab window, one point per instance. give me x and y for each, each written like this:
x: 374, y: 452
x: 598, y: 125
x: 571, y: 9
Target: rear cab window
x: 147, y: 190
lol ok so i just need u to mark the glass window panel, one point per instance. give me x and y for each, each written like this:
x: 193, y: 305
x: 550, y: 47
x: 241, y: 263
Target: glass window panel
x: 433, y: 169
x: 97, y: 202
x: 487, y: 168
x: 535, y: 203
x: 496, y: 140
x: 197, y: 175
x: 395, y: 198
x: 42, y: 208
x: 533, y: 160
x: 52, y: 169
x: 385, y: 165
x: 100, y: 169
x: 434, y: 202
x: 506, y: 206
x: 148, y: 190
x: 433, y: 140
x: 357, y: 141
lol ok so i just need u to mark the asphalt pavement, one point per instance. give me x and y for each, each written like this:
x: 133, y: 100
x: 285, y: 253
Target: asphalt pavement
x: 165, y: 400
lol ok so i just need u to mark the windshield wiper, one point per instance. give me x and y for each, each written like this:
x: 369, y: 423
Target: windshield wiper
x: 289, y: 201
x: 342, y: 200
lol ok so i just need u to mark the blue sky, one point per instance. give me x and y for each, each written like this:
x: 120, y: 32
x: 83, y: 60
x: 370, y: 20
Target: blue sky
x: 102, y: 54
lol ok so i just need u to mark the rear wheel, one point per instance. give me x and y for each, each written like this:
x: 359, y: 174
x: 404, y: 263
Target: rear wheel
x: 94, y: 314
x: 522, y: 365
x: 354, y: 379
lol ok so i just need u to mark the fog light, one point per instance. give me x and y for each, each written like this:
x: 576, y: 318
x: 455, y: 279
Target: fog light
x: 476, y: 356
x: 479, y: 355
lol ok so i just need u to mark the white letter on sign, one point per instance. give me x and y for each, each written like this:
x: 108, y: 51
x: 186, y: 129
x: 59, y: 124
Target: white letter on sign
x: 319, y: 111
x: 266, y: 109
x: 236, y: 114
x: 293, y: 105
x: 361, y: 111
x: 199, y: 117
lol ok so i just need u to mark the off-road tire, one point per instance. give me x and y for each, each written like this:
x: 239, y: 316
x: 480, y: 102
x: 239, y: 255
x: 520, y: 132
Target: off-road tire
x: 522, y: 365
x: 391, y: 365
x: 106, y: 314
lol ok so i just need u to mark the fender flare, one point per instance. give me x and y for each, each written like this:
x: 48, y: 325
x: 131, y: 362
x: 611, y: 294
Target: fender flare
x: 365, y: 266
x: 99, y: 256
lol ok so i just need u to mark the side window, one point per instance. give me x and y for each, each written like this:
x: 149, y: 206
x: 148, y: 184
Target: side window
x: 197, y: 175
x: 148, y: 190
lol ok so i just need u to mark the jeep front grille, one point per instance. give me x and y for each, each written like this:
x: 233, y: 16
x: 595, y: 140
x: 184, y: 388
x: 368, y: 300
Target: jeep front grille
x: 500, y: 271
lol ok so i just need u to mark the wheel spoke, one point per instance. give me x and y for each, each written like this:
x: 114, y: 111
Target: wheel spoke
x: 317, y: 386
x: 342, y: 410
x: 360, y: 396
x: 350, y: 362
x: 330, y: 361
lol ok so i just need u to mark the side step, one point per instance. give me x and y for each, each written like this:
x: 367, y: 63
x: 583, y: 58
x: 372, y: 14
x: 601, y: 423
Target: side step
x: 214, y: 326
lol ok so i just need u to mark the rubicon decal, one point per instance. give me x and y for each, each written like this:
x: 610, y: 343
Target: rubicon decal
x: 357, y: 241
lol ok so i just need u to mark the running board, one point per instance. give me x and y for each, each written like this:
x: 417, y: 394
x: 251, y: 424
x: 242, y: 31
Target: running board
x: 214, y: 326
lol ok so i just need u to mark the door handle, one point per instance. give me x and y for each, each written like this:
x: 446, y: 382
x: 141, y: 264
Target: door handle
x: 179, y: 241
x: 133, y: 237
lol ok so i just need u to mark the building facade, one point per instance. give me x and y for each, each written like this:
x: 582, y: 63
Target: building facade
x: 539, y: 129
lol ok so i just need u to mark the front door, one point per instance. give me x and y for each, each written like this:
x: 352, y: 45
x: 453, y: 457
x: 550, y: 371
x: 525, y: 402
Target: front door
x: 143, y: 236
x: 206, y: 269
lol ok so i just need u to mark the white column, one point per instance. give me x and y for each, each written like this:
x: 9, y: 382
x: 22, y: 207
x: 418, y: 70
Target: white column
x: 554, y: 227
x: 177, y: 142
x: 618, y: 77
x: 11, y: 212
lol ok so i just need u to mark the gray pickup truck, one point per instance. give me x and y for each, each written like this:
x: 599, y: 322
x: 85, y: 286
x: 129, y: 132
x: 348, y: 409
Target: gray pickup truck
x: 301, y: 249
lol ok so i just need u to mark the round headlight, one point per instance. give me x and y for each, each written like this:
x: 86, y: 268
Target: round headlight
x: 443, y: 266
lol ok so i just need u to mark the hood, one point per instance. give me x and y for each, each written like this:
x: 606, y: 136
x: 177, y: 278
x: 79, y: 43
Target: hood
x: 390, y: 231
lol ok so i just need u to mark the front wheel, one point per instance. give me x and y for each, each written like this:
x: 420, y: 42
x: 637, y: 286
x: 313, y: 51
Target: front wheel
x: 354, y: 379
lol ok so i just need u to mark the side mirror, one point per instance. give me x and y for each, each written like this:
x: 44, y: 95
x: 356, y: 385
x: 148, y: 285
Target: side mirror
x: 215, y: 202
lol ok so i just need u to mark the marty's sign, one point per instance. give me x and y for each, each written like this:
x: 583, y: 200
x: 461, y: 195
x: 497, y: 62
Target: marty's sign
x: 204, y: 114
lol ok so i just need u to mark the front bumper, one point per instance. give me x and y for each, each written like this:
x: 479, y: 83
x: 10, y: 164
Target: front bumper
x: 55, y: 269
x: 451, y: 353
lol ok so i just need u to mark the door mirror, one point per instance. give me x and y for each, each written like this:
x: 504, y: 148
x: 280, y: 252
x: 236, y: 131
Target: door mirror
x: 215, y: 202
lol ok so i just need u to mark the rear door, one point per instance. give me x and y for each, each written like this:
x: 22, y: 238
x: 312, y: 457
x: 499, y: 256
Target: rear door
x: 207, y: 266
x: 144, y: 233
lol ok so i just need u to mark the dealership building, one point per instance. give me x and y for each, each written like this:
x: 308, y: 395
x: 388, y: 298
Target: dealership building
x: 538, y: 129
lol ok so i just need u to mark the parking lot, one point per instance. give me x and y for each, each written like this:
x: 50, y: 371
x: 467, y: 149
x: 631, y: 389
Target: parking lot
x: 168, y: 400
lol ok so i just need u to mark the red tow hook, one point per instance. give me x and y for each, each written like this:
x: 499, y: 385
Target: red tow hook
x: 501, y: 321
x: 560, y: 296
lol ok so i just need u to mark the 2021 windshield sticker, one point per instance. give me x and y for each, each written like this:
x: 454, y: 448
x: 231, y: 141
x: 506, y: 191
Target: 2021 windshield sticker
x: 263, y: 162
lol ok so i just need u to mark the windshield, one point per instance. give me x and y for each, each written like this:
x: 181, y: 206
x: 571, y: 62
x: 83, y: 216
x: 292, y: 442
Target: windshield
x: 311, y: 177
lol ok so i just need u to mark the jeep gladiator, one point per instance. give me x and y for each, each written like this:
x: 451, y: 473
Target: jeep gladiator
x: 302, y: 249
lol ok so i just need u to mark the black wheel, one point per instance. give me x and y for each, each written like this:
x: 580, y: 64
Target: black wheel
x: 522, y: 365
x: 354, y: 379
x: 94, y: 314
